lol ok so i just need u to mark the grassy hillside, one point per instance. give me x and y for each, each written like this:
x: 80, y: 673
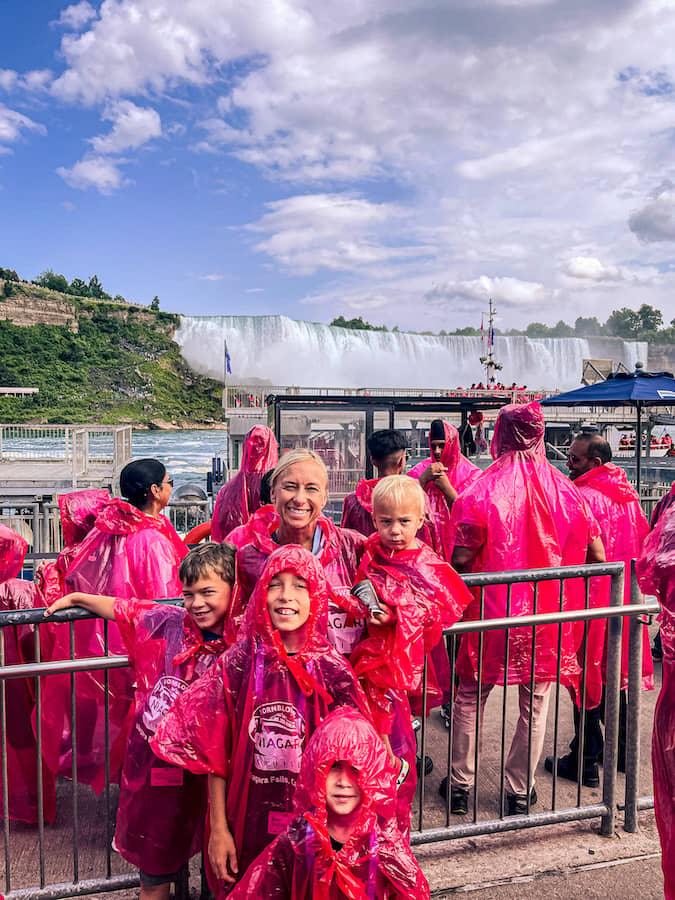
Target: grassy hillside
x: 120, y: 366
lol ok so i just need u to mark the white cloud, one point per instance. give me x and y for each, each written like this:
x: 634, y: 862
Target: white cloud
x: 210, y: 277
x: 75, y: 17
x: 13, y: 123
x: 8, y: 78
x: 94, y: 172
x: 655, y: 221
x: 329, y: 231
x: 590, y: 268
x: 133, y: 126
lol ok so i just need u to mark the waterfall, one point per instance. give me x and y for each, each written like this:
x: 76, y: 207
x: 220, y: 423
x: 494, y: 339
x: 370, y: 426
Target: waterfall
x: 284, y: 351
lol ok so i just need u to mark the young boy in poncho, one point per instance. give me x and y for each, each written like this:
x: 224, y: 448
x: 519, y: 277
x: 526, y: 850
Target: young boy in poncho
x: 246, y: 723
x: 418, y: 595
x: 161, y: 810
x: 343, y: 843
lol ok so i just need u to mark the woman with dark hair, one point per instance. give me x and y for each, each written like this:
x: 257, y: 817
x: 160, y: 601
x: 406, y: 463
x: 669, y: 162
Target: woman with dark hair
x: 132, y: 551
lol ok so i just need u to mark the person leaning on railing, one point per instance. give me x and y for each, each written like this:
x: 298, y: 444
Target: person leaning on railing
x: 521, y: 513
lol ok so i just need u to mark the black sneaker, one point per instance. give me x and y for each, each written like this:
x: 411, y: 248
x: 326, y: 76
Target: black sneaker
x: 428, y: 766
x: 567, y: 768
x: 516, y: 805
x: 459, y: 798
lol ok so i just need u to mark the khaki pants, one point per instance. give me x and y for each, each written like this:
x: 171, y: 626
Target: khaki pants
x: 464, y: 734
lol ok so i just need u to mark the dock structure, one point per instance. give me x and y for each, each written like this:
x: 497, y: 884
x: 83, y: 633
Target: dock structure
x: 48, y: 459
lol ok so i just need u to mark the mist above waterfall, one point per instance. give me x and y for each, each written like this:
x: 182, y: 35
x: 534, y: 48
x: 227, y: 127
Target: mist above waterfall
x: 284, y: 351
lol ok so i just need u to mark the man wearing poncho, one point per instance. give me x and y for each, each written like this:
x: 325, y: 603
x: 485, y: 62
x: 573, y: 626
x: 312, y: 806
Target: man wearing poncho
x: 520, y: 513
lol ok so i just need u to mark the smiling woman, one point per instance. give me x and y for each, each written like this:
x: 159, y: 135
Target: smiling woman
x: 299, y: 493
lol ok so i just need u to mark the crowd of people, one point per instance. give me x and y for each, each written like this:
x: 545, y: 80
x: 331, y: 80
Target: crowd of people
x: 270, y: 719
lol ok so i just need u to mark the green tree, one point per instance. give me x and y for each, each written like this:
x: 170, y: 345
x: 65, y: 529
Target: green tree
x: 96, y: 288
x: 154, y: 306
x: 118, y: 298
x: 53, y: 281
x: 587, y: 327
x: 623, y: 323
x: 79, y: 288
x: 8, y: 275
x: 650, y: 319
x: 8, y: 289
x: 561, y: 329
x: 357, y: 324
x: 537, y: 329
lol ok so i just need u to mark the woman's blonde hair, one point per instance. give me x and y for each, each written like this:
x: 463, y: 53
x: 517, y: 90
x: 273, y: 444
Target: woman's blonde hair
x: 399, y: 489
x: 296, y: 456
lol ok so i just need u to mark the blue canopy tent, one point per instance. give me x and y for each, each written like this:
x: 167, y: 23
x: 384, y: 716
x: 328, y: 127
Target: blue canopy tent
x: 639, y: 389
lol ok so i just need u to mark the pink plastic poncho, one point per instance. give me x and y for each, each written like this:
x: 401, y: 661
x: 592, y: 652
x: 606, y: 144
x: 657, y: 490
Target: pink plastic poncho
x: 663, y: 504
x: 244, y: 534
x: 523, y: 513
x: 249, y: 718
x: 427, y: 596
x: 339, y: 553
x: 161, y: 810
x: 79, y: 511
x: 13, y: 549
x: 623, y: 528
x: 374, y: 864
x: 461, y: 473
x: 357, y: 513
x: 19, y: 648
x: 240, y: 497
x: 656, y: 575
x: 126, y: 554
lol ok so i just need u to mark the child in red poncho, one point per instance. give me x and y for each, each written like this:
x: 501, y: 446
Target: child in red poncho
x: 162, y: 808
x: 247, y: 721
x: 419, y: 595
x: 343, y: 843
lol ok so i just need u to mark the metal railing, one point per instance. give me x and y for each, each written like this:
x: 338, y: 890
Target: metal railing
x: 113, y: 875
x: 615, y: 614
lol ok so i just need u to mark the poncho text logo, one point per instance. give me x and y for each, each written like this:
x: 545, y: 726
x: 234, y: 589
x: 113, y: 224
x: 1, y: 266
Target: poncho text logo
x: 161, y: 700
x: 277, y: 731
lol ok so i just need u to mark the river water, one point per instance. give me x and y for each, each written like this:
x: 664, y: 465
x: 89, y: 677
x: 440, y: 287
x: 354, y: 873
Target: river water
x: 186, y: 454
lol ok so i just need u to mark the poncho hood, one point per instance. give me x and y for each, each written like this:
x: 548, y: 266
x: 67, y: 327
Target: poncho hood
x: 519, y: 429
x: 347, y: 736
x: 120, y: 517
x: 240, y: 497
x: 364, y: 493
x: 13, y: 549
x: 610, y: 480
x: 79, y: 511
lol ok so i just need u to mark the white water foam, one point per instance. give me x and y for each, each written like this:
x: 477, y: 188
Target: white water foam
x: 284, y: 351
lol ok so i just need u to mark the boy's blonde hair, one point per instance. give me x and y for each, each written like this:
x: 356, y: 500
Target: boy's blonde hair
x: 296, y: 456
x: 397, y: 490
x: 207, y: 558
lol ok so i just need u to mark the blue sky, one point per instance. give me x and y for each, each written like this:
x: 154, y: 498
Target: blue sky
x: 394, y: 159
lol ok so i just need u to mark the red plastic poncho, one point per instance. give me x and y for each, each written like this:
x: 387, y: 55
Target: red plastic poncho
x: 249, y: 718
x: 161, y: 808
x: 339, y: 553
x: 428, y: 596
x: 13, y: 549
x: 22, y: 766
x: 461, y: 473
x: 126, y: 554
x: 662, y: 506
x: 357, y: 513
x: 623, y: 528
x: 656, y: 575
x: 523, y: 513
x: 374, y: 864
x: 240, y: 497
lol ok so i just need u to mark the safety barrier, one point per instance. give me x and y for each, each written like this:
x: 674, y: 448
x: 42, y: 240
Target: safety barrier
x: 615, y: 613
x: 104, y: 871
